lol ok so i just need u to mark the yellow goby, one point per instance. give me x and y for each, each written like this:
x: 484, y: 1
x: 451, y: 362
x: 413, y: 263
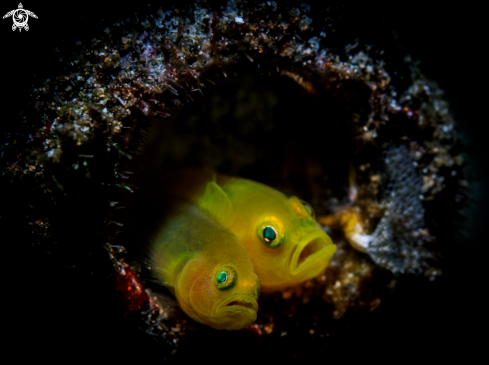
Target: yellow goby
x: 206, y: 268
x: 280, y: 234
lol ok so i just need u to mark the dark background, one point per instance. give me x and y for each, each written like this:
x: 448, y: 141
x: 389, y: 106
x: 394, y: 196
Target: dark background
x: 59, y: 317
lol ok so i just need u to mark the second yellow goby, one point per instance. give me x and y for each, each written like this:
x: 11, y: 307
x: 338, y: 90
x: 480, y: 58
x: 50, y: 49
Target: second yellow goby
x: 206, y: 268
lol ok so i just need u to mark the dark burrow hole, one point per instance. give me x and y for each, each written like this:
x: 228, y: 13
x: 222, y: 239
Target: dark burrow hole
x: 251, y: 122
x: 266, y: 127
x: 260, y: 125
x: 263, y: 126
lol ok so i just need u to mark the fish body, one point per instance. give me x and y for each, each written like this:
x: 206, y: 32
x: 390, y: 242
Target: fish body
x: 280, y: 234
x: 207, y: 269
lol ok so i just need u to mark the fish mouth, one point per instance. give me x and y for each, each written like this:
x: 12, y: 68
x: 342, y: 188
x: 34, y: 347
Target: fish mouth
x: 238, y: 304
x: 314, y: 250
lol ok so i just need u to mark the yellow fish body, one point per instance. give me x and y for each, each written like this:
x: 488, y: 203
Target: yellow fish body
x: 281, y: 236
x: 285, y: 243
x: 207, y: 269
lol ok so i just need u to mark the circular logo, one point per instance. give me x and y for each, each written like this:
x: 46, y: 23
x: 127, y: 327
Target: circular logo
x: 20, y: 17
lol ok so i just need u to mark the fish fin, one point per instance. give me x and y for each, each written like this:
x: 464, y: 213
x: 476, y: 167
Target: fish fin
x: 165, y: 264
x: 216, y: 204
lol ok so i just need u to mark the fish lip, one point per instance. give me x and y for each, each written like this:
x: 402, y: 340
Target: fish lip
x: 252, y: 304
x: 294, y: 267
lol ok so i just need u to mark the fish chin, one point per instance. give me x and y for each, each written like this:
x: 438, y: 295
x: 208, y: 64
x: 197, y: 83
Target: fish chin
x: 232, y: 313
x: 235, y: 312
x: 311, y: 255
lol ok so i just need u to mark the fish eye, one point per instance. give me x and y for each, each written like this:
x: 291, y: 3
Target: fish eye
x: 271, y: 232
x: 308, y: 208
x: 226, y: 278
x: 270, y: 236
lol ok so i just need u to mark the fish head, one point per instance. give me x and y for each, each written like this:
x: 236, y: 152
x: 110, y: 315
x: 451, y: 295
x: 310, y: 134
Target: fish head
x: 221, y: 287
x: 284, y: 241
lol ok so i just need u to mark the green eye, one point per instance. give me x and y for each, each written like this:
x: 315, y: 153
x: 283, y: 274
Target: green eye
x: 270, y: 237
x: 226, y: 278
x: 269, y: 234
x: 222, y: 277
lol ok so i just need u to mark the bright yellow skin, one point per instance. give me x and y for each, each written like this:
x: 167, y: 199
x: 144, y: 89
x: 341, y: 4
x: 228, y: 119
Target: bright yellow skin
x: 245, y: 208
x: 188, y: 253
x: 257, y: 206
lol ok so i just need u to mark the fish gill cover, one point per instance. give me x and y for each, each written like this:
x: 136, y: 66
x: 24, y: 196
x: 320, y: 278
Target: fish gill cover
x: 299, y: 97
